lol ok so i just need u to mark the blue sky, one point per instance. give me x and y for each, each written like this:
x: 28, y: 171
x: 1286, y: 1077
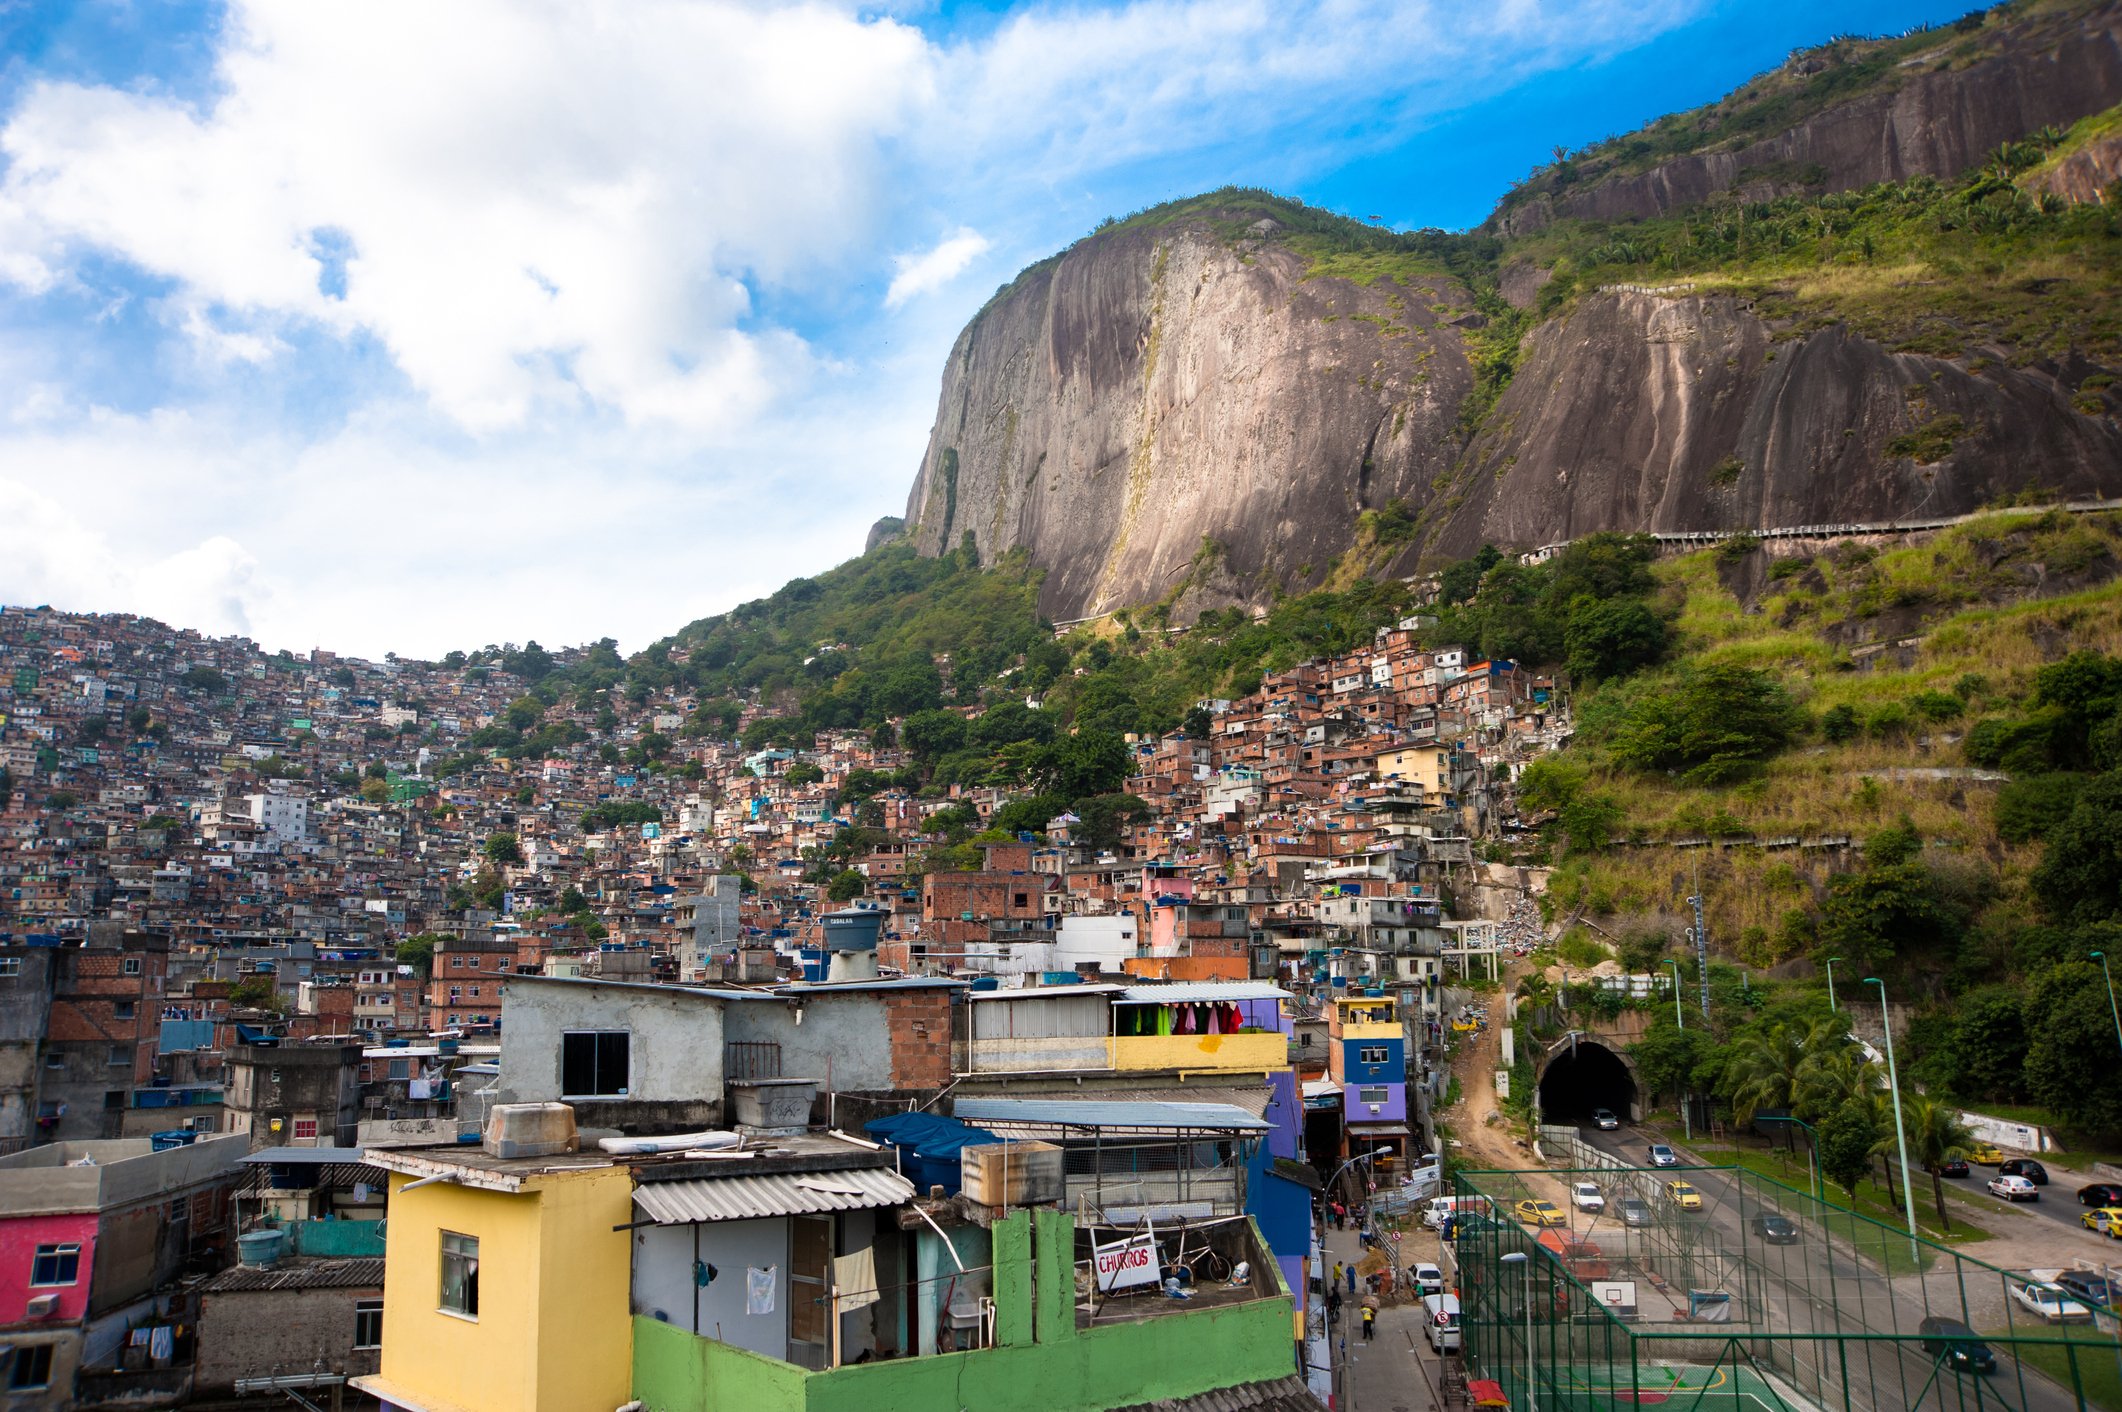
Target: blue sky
x: 395, y: 326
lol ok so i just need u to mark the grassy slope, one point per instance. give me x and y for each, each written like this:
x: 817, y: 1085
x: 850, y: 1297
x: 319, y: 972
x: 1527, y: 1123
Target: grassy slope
x: 1954, y: 597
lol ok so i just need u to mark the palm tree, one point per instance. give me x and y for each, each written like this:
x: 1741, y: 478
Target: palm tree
x: 1768, y: 1070
x: 1935, y: 1136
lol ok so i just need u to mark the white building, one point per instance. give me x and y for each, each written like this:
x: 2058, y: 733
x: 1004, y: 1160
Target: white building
x: 284, y: 816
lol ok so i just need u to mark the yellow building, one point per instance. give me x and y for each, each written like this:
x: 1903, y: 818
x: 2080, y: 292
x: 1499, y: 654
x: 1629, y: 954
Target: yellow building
x: 1426, y: 767
x: 508, y: 1289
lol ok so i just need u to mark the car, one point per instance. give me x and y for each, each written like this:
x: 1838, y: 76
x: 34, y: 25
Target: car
x: 2014, y: 1189
x: 2100, y: 1194
x: 1663, y: 1156
x: 1425, y: 1280
x: 2107, y: 1221
x: 1585, y: 1197
x: 1635, y: 1211
x: 1684, y: 1196
x: 2089, y: 1288
x: 1604, y: 1120
x: 1953, y: 1167
x: 2048, y: 1300
x: 1774, y: 1229
x: 1541, y: 1213
x: 1984, y: 1155
x: 1955, y: 1345
x: 2025, y: 1167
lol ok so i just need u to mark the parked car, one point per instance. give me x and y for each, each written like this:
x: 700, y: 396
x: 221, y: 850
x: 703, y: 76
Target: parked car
x: 1684, y: 1196
x: 2096, y: 1290
x: 2100, y: 1194
x: 2107, y: 1221
x: 1955, y: 1345
x: 1985, y: 1155
x: 1541, y: 1213
x: 2051, y: 1301
x: 1776, y: 1230
x: 1426, y: 1280
x: 1663, y: 1156
x: 1604, y: 1120
x: 2025, y: 1167
x: 1635, y: 1211
x: 1955, y: 1167
x: 1585, y: 1197
x: 2014, y: 1189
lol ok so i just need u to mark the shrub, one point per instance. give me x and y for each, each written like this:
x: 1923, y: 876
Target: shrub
x: 1839, y: 723
x: 1936, y: 705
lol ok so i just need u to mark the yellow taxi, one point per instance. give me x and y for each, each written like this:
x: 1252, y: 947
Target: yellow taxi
x: 1541, y: 1213
x: 2107, y: 1221
x: 1985, y: 1154
x: 1684, y: 1196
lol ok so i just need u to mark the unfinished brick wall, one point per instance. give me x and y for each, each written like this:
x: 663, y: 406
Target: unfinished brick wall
x: 919, y: 1022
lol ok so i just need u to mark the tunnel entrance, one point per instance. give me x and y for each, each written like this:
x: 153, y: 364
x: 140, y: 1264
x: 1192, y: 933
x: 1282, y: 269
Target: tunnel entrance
x: 1585, y: 1077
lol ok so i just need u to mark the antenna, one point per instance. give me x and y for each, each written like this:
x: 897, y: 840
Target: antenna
x: 1701, y: 940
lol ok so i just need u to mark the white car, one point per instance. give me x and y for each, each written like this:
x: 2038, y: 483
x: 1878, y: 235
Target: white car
x: 2014, y: 1189
x: 1585, y: 1197
x: 1427, y: 1280
x: 2051, y: 1301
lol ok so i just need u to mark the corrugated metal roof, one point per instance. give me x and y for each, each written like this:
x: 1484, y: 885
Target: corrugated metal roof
x: 299, y: 1156
x: 1107, y: 1113
x: 362, y: 1272
x: 1193, y: 992
x: 1045, y: 992
x: 744, y: 1198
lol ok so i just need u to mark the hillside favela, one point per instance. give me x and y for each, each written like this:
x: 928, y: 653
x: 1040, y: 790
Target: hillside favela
x: 1473, y: 762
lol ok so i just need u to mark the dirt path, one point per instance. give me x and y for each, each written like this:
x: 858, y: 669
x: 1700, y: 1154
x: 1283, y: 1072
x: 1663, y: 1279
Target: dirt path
x: 1483, y: 1132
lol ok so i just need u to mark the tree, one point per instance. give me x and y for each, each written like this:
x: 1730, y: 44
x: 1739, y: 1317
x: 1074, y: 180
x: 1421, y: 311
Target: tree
x: 503, y: 848
x: 572, y: 901
x: 1720, y: 721
x: 1847, y: 1139
x: 1766, y: 1068
x: 1612, y: 637
x: 418, y: 952
x: 205, y: 680
x: 2079, y: 877
x: 2071, y: 1022
x: 1199, y: 721
x: 801, y: 773
x: 1935, y: 1136
x: 1876, y: 914
x: 1104, y: 816
x: 1084, y: 764
x: 255, y: 992
x: 928, y: 735
x: 846, y: 885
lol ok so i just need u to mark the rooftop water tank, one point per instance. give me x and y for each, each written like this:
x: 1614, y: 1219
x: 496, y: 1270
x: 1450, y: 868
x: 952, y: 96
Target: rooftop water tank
x: 851, y: 938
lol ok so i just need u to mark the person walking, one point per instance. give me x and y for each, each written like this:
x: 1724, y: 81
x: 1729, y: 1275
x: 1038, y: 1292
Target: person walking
x: 1351, y: 1279
x: 1333, y: 1304
x: 1335, y: 1283
x: 1370, y: 1323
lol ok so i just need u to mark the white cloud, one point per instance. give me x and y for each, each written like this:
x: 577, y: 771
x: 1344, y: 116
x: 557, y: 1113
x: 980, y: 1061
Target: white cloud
x: 543, y: 204
x: 931, y: 269
x: 513, y: 318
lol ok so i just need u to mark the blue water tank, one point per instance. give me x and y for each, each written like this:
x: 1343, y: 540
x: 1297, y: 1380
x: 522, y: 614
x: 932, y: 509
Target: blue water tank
x: 853, y: 928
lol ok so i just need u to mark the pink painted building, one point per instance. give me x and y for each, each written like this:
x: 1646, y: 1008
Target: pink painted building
x: 46, y: 1258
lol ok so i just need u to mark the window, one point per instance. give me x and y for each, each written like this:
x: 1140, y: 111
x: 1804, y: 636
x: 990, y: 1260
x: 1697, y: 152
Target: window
x: 10, y: 965
x: 460, y: 1274
x: 130, y: 965
x: 475, y: 992
x: 368, y: 1323
x: 456, y: 963
x: 1375, y: 1054
x: 1371, y: 1095
x: 56, y: 1265
x: 180, y: 1209
x: 114, y: 1098
x: 123, y: 1009
x: 120, y: 1054
x: 305, y: 1130
x: 594, y: 1063
x: 55, y: 1061
x: 33, y: 1366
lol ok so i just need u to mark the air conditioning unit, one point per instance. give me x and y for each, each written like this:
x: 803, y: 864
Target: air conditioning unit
x: 41, y: 1306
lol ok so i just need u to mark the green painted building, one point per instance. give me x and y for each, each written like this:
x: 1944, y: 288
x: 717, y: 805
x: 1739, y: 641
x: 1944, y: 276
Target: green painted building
x: 1047, y: 1354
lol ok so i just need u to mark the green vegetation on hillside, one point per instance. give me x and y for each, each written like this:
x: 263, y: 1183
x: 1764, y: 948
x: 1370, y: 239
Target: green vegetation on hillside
x: 1864, y: 707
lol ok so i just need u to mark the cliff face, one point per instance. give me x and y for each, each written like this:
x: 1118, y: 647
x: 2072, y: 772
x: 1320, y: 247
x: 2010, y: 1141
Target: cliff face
x: 1934, y: 116
x: 1643, y: 412
x: 1153, y: 388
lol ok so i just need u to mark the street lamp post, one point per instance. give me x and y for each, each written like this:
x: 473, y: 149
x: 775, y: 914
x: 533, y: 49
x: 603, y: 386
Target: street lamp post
x: 1831, y: 982
x: 2112, y: 1009
x: 1893, y: 1079
x: 1518, y: 1257
x: 1812, y: 1153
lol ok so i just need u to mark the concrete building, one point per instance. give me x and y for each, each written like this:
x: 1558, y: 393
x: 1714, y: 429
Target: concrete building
x: 711, y: 926
x: 26, y: 974
x: 294, y: 1095
x: 91, y: 1234
x: 316, y: 1318
x: 284, y: 817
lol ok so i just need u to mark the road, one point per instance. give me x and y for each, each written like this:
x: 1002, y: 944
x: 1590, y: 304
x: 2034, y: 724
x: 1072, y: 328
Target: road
x: 2058, y: 1204
x: 1818, y: 1286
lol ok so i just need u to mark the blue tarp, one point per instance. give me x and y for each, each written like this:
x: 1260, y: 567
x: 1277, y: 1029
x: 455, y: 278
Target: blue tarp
x: 930, y: 1146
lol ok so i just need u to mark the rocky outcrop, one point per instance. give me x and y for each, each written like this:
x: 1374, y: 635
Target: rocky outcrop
x: 1164, y: 404
x: 2083, y: 174
x: 1643, y: 412
x: 1936, y: 117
